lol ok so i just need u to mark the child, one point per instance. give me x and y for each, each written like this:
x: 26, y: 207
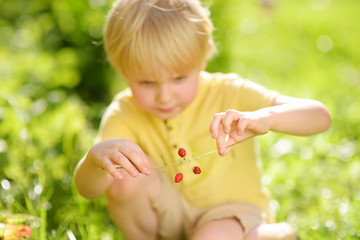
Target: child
x: 160, y: 47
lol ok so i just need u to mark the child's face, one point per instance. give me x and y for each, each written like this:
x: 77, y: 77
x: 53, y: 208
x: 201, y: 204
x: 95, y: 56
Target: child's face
x: 166, y: 97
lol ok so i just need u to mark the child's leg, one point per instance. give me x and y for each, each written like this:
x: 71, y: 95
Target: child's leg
x: 231, y: 229
x: 275, y: 231
x: 238, y: 221
x: 130, y: 205
x: 224, y: 229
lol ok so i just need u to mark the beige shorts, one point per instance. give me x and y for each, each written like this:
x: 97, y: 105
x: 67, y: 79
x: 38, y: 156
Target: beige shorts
x: 178, y: 219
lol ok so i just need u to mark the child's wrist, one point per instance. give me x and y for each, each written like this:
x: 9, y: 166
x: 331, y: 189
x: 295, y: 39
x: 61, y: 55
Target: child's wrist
x: 90, y: 159
x: 267, y: 120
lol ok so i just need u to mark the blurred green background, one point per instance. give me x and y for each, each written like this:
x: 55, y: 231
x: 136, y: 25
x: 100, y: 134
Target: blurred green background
x: 56, y: 82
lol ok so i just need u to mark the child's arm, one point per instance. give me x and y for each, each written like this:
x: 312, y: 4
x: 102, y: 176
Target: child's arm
x: 287, y: 115
x: 96, y: 171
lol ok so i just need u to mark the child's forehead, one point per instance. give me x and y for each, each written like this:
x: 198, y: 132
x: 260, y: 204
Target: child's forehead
x: 160, y: 74
x: 157, y: 70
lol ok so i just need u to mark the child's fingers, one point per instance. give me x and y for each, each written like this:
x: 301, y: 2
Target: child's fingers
x: 215, y: 123
x: 110, y: 168
x: 230, y: 117
x: 230, y: 120
x: 242, y: 125
x: 221, y: 141
x: 217, y: 132
x: 137, y: 157
x: 121, y: 160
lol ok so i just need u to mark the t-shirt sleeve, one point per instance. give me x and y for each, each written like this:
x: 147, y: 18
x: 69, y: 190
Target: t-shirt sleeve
x: 115, y: 124
x: 246, y: 95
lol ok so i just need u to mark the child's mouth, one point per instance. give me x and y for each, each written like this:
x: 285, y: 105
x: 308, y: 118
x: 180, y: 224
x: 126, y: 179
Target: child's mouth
x: 166, y: 110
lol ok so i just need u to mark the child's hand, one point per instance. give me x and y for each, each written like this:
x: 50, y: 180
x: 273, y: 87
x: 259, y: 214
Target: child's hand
x: 238, y: 126
x: 122, y: 152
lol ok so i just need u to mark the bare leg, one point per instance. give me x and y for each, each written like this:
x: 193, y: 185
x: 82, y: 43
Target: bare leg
x: 130, y: 205
x: 275, y: 231
x: 231, y: 229
x: 222, y: 229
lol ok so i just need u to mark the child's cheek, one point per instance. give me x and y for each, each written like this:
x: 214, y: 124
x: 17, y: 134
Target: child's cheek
x: 143, y: 99
x: 189, y: 94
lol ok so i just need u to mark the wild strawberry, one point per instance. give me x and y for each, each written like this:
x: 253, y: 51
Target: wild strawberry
x: 182, y: 152
x: 178, y: 177
x: 197, y: 170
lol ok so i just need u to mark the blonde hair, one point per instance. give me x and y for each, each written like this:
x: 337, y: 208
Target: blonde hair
x: 143, y: 35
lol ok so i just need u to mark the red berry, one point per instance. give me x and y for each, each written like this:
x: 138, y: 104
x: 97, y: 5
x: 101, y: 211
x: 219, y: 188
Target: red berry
x: 182, y: 152
x: 178, y: 177
x: 197, y: 170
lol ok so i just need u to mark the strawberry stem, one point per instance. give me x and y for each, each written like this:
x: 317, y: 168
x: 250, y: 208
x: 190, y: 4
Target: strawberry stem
x: 214, y: 151
x: 195, y: 158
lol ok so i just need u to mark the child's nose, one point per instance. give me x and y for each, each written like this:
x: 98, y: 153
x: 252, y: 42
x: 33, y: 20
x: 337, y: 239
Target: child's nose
x: 164, y: 94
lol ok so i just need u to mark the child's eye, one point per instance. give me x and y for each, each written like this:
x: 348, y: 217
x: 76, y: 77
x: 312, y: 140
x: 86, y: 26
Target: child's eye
x: 180, y: 78
x: 146, y: 83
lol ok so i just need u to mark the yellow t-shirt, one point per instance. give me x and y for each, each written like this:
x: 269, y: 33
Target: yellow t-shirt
x: 235, y: 177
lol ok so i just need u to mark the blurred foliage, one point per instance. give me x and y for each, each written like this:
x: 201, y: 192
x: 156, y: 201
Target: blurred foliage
x: 52, y: 68
x: 56, y: 82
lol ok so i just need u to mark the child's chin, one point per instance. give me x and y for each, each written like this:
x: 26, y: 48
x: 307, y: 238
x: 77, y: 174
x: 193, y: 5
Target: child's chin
x: 167, y: 115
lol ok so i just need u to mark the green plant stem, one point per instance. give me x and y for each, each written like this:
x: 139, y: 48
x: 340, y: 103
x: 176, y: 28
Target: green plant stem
x: 214, y: 151
x: 200, y: 156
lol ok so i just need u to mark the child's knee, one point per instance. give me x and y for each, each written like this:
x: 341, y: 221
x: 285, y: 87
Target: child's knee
x: 278, y: 231
x: 121, y: 191
x: 289, y: 231
x: 286, y: 231
x: 130, y: 188
x: 220, y: 229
